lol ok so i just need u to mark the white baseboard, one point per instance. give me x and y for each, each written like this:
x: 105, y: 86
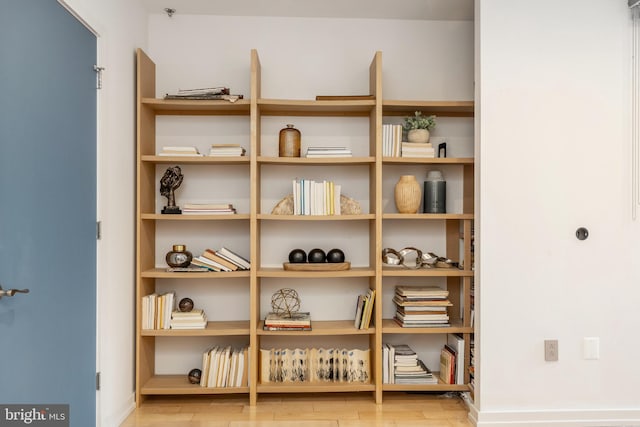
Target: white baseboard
x: 119, y: 415
x: 572, y: 418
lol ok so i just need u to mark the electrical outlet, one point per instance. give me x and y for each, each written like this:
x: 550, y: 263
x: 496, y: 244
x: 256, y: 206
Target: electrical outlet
x: 551, y: 350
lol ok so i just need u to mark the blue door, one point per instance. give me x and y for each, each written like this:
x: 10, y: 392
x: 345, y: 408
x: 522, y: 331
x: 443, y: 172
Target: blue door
x: 47, y: 211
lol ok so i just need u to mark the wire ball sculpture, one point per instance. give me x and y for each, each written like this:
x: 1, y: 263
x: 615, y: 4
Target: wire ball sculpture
x: 285, y: 302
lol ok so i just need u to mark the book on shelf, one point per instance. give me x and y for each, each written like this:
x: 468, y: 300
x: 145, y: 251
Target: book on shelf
x: 230, y: 98
x: 203, y: 261
x: 364, y: 309
x: 391, y: 140
x: 177, y: 151
x: 456, y: 343
x: 421, y: 306
x: 194, y: 319
x: 189, y: 269
x: 337, y: 365
x: 213, y: 256
x: 156, y: 310
x: 316, y: 198
x: 226, y: 150
x: 225, y: 367
x: 318, y: 152
x: 447, y: 366
x: 401, y: 365
x: 208, y: 209
x: 344, y: 97
x: 234, y: 257
x: 296, y: 320
x: 415, y: 149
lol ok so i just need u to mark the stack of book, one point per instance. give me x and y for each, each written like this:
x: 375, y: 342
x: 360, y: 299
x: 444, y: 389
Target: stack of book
x: 221, y: 260
x: 391, y: 140
x: 210, y: 93
x: 179, y: 152
x: 316, y: 198
x: 226, y: 150
x: 421, y: 307
x: 300, y: 321
x: 317, y: 152
x: 194, y: 319
x: 364, y: 309
x: 416, y: 149
x: 208, y: 209
x: 315, y: 365
x: 402, y: 366
x: 156, y: 310
x: 225, y: 367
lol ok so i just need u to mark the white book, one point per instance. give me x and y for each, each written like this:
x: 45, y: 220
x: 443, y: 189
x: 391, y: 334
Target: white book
x: 336, y: 198
x: 385, y: 364
x: 234, y: 257
x: 457, y: 343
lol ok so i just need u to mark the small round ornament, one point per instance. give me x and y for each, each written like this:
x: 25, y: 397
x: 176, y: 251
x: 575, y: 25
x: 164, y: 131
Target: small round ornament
x: 194, y: 376
x: 335, y: 255
x: 297, y: 256
x: 285, y: 302
x: 316, y: 256
x: 185, y: 305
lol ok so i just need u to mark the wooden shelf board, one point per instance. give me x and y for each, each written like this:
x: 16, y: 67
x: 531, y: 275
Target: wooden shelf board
x: 316, y: 160
x: 194, y: 217
x: 360, y: 217
x: 425, y: 387
x: 314, y: 387
x: 178, y: 107
x: 389, y: 326
x: 425, y: 272
x: 429, y: 160
x: 322, y: 327
x: 161, y: 273
x: 438, y: 108
x: 213, y: 329
x: 280, y: 272
x: 179, y: 384
x: 201, y: 160
x: 294, y: 107
x: 423, y: 216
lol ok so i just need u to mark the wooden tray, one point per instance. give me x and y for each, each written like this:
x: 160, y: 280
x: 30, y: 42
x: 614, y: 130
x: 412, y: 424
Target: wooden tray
x: 317, y: 266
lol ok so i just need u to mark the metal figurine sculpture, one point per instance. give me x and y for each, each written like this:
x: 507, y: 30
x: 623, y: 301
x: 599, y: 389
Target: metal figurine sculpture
x: 171, y: 180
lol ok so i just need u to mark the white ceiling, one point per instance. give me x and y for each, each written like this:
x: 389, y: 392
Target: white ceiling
x: 457, y: 10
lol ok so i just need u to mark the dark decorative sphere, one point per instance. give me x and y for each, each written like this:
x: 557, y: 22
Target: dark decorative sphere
x: 194, y: 376
x: 335, y: 255
x: 297, y: 256
x: 185, y: 304
x: 317, y: 255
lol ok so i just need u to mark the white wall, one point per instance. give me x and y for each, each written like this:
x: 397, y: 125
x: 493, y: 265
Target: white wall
x: 302, y: 58
x: 554, y: 125
x: 121, y: 28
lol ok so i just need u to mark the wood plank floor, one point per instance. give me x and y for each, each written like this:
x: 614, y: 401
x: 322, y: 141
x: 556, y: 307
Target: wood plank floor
x: 305, y: 410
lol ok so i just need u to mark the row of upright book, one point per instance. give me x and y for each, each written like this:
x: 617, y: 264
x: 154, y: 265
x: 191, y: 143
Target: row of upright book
x: 315, y: 197
x: 394, y: 146
x: 225, y: 367
x: 158, y: 312
x: 281, y: 365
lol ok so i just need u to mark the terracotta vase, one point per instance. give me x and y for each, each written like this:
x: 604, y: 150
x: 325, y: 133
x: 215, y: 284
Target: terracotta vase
x: 418, y: 135
x: 408, y: 194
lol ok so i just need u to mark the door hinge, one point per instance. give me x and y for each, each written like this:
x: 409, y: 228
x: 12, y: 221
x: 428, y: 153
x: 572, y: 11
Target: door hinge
x: 98, y: 71
x: 97, y: 380
x: 98, y: 230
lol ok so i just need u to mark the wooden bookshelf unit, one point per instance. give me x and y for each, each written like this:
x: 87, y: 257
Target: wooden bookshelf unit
x: 378, y: 220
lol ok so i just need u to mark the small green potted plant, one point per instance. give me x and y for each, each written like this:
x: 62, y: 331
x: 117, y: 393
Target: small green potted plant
x: 418, y: 127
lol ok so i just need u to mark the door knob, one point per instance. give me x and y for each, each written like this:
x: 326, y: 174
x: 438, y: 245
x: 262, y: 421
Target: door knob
x: 12, y: 292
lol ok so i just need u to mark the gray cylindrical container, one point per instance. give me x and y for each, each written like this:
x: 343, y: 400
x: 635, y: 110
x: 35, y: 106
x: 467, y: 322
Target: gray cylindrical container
x: 435, y: 193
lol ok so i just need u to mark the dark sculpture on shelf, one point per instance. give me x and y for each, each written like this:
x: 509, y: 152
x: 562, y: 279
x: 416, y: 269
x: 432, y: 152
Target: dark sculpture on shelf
x: 185, y: 305
x: 169, y: 182
x: 194, y: 376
